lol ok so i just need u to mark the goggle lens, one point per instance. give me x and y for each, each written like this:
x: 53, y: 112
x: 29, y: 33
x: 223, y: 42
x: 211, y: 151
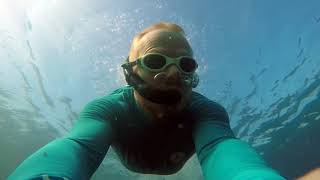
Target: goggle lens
x: 188, y: 64
x: 154, y: 61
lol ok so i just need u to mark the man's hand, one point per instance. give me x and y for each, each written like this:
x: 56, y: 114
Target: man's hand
x: 312, y: 175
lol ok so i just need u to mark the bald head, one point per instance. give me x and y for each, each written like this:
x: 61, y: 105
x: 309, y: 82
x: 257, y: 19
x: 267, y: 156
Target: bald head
x: 166, y: 40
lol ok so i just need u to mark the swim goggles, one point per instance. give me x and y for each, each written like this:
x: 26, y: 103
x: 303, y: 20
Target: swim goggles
x: 156, y: 62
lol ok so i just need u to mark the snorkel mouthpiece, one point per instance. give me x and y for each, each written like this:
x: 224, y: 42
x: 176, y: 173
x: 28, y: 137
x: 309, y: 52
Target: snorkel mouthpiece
x: 160, y: 77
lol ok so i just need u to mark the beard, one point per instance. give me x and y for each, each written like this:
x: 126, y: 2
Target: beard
x: 169, y: 97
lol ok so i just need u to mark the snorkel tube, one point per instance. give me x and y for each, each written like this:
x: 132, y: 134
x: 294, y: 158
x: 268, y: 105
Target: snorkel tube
x: 168, y: 97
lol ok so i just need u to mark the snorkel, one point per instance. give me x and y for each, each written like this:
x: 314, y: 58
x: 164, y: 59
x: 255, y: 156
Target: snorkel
x: 166, y: 97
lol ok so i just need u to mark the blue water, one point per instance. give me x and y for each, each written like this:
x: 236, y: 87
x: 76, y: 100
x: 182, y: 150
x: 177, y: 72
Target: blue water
x: 259, y: 59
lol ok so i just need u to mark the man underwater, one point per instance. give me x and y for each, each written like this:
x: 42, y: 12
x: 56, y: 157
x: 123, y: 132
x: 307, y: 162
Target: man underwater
x: 155, y: 124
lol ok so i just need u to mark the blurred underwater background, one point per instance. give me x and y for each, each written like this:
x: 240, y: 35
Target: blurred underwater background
x: 259, y: 59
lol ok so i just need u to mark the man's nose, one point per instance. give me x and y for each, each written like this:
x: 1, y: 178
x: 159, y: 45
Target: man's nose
x: 173, y: 73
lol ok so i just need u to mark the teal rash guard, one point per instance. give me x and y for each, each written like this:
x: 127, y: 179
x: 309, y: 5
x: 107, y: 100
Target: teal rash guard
x: 146, y: 145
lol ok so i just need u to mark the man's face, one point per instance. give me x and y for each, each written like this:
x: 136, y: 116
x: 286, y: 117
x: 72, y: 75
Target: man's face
x: 168, y: 43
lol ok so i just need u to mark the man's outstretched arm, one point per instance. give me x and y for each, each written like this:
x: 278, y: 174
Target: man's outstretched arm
x: 235, y: 160
x: 221, y: 154
x: 77, y: 155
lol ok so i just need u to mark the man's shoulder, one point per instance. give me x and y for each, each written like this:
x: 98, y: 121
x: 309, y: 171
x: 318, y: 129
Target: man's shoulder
x: 200, y: 100
x: 110, y: 102
x: 203, y: 108
x: 120, y: 91
x: 120, y: 94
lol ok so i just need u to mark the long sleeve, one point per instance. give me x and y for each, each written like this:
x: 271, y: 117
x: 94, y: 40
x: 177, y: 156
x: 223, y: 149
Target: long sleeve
x: 236, y: 160
x: 220, y: 153
x: 78, y: 154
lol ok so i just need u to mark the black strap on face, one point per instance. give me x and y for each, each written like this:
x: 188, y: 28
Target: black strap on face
x: 156, y: 96
x: 132, y: 78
